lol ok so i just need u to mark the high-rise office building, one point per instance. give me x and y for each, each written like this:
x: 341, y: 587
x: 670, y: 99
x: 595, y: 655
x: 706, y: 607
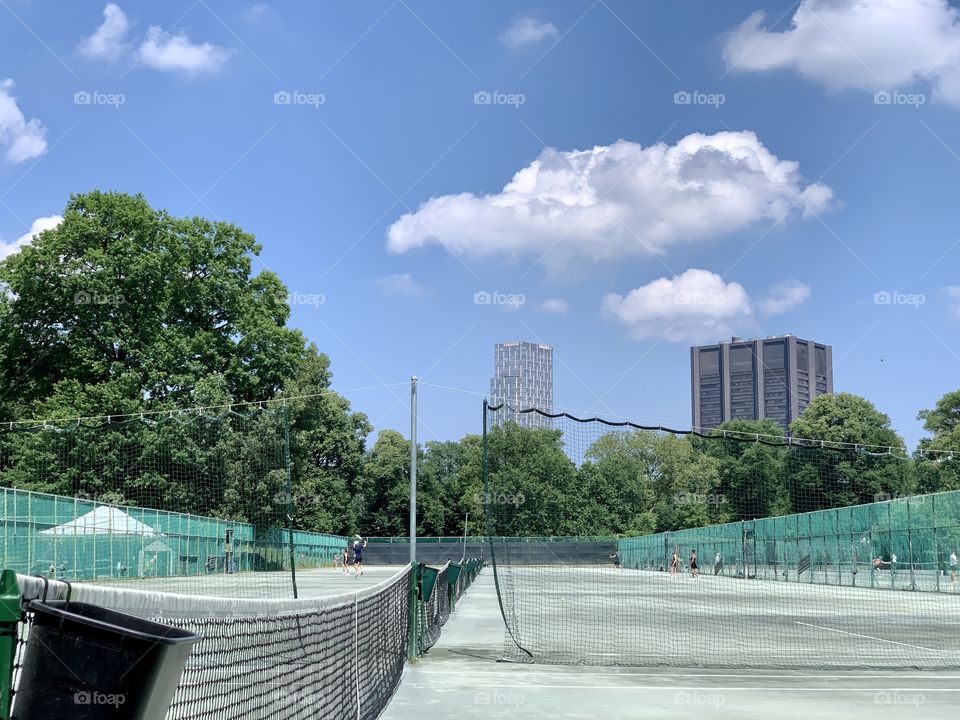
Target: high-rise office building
x: 523, y: 378
x: 775, y: 378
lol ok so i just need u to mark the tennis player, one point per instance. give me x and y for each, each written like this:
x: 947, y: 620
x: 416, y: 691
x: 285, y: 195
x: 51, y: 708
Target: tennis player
x: 674, y: 562
x: 953, y: 567
x: 358, y: 545
x: 693, y: 564
x: 345, y: 561
x: 616, y: 559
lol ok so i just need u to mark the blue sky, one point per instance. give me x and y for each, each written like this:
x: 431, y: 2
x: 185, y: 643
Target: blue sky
x: 622, y: 178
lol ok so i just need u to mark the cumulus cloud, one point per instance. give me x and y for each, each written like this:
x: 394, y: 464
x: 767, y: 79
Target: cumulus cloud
x: 953, y: 292
x: 528, y: 31
x: 784, y: 297
x: 618, y: 200
x: 555, y: 306
x: 38, y: 226
x: 696, y: 306
x: 862, y: 44
x: 108, y: 42
x: 398, y: 284
x: 20, y: 139
x: 178, y: 53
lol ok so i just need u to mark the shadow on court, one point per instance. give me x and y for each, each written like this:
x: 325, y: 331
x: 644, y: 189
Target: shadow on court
x: 461, y: 678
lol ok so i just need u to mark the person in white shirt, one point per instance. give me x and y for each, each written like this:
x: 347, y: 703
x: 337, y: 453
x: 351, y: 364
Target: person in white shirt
x: 953, y: 567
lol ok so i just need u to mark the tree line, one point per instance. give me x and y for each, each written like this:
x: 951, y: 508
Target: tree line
x: 124, y: 310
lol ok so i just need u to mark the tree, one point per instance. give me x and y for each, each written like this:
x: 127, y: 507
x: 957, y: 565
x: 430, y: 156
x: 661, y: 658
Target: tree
x: 327, y: 443
x: 860, y: 461
x: 616, y: 485
x: 123, y: 296
x: 938, y: 456
x: 532, y: 483
x: 686, y: 483
x: 751, y: 471
x: 385, y: 486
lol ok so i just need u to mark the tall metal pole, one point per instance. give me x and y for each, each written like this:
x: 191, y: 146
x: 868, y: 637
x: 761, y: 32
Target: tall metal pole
x: 413, y: 643
x: 413, y: 469
x: 466, y: 519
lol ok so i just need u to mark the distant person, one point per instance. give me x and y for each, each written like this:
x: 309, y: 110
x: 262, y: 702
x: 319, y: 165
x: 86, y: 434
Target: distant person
x: 953, y: 567
x: 336, y: 560
x: 345, y: 561
x: 693, y: 564
x: 358, y: 545
x: 674, y: 562
x: 53, y: 570
x: 616, y: 559
x: 717, y: 564
x: 63, y: 571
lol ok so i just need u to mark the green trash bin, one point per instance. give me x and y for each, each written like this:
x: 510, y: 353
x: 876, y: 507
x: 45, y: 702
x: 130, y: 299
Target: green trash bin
x: 428, y: 578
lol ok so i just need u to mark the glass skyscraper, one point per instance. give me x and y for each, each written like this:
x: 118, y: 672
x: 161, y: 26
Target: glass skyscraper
x: 523, y: 378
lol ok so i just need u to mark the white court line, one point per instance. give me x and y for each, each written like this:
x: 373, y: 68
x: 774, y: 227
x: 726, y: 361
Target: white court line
x: 783, y: 676
x: 868, y: 637
x: 711, y: 688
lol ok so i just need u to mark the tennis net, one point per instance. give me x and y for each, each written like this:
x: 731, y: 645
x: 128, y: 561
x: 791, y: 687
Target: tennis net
x: 335, y: 657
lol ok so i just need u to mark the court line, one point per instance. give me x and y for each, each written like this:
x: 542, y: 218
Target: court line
x: 825, y: 674
x: 868, y: 637
x: 711, y: 688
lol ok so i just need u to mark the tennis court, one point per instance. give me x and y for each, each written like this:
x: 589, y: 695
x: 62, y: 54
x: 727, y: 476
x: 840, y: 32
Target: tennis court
x: 313, y: 583
x: 635, y: 617
x: 462, y: 678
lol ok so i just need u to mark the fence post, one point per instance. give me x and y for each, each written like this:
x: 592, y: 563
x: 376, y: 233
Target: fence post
x: 936, y: 550
x: 913, y: 580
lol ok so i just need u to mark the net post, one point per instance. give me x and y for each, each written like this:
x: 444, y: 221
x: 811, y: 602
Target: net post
x: 413, y: 469
x: 412, y: 644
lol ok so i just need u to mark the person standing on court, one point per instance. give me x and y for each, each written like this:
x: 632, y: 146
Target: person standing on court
x: 674, y: 562
x: 358, y: 545
x: 693, y: 564
x: 346, y: 561
x: 953, y: 567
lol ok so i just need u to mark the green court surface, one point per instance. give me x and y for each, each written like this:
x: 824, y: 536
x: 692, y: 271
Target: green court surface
x: 461, y: 677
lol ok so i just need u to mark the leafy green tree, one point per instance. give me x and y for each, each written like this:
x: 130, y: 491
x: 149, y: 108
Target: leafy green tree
x: 860, y: 473
x: 751, y: 472
x: 616, y: 486
x: 327, y: 443
x: 124, y: 296
x: 686, y: 483
x: 532, y: 483
x: 385, y: 486
x: 938, y: 456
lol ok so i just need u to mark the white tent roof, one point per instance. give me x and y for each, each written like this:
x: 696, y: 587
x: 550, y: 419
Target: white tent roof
x: 103, y: 520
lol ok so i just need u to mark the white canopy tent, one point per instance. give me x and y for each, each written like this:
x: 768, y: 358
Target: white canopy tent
x: 153, y: 557
x: 103, y: 520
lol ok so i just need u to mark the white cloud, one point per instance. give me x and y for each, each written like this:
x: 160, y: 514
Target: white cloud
x: 22, y: 139
x: 862, y: 44
x: 784, y: 297
x: 178, y: 53
x: 108, y: 42
x: 696, y: 306
x: 527, y: 31
x: 556, y: 306
x: 953, y: 292
x: 38, y: 226
x: 617, y: 200
x: 398, y: 284
x: 258, y: 13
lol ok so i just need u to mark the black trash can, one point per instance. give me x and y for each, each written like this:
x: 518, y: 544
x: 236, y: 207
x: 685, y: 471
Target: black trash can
x: 86, y: 662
